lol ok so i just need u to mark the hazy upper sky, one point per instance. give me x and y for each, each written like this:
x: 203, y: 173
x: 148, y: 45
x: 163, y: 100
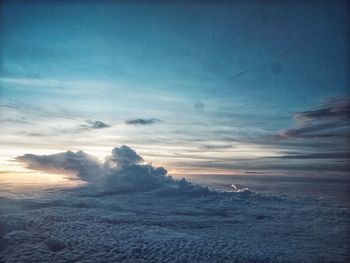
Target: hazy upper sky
x: 249, y: 87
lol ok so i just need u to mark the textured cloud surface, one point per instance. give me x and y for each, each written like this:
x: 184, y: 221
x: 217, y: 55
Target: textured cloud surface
x: 172, y: 226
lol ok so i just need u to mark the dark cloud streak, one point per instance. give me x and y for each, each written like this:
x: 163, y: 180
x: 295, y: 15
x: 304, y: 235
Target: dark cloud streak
x: 141, y: 121
x: 331, y: 120
x: 96, y: 125
x: 325, y: 155
x: 338, y: 108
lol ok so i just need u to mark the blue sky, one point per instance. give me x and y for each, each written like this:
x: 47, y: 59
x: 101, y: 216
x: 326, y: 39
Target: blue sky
x: 197, y: 87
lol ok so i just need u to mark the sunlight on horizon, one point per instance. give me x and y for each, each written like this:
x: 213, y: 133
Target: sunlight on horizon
x: 34, y: 178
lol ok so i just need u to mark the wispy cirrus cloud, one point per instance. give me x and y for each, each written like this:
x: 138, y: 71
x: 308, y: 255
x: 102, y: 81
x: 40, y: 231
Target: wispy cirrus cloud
x: 55, y: 83
x: 9, y: 105
x: 310, y: 131
x: 215, y: 146
x: 337, y: 108
x: 330, y: 120
x: 343, y: 155
x: 319, y: 139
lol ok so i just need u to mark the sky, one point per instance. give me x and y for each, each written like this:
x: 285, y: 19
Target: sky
x: 200, y: 88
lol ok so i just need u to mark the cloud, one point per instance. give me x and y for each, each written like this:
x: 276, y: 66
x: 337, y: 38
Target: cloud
x: 123, y: 170
x: 95, y: 125
x: 21, y: 120
x: 124, y: 157
x: 338, y: 108
x: 215, y: 146
x: 141, y: 121
x: 83, y: 165
x: 322, y: 155
x: 312, y: 130
x: 32, y: 134
x: 330, y: 120
x: 9, y: 105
